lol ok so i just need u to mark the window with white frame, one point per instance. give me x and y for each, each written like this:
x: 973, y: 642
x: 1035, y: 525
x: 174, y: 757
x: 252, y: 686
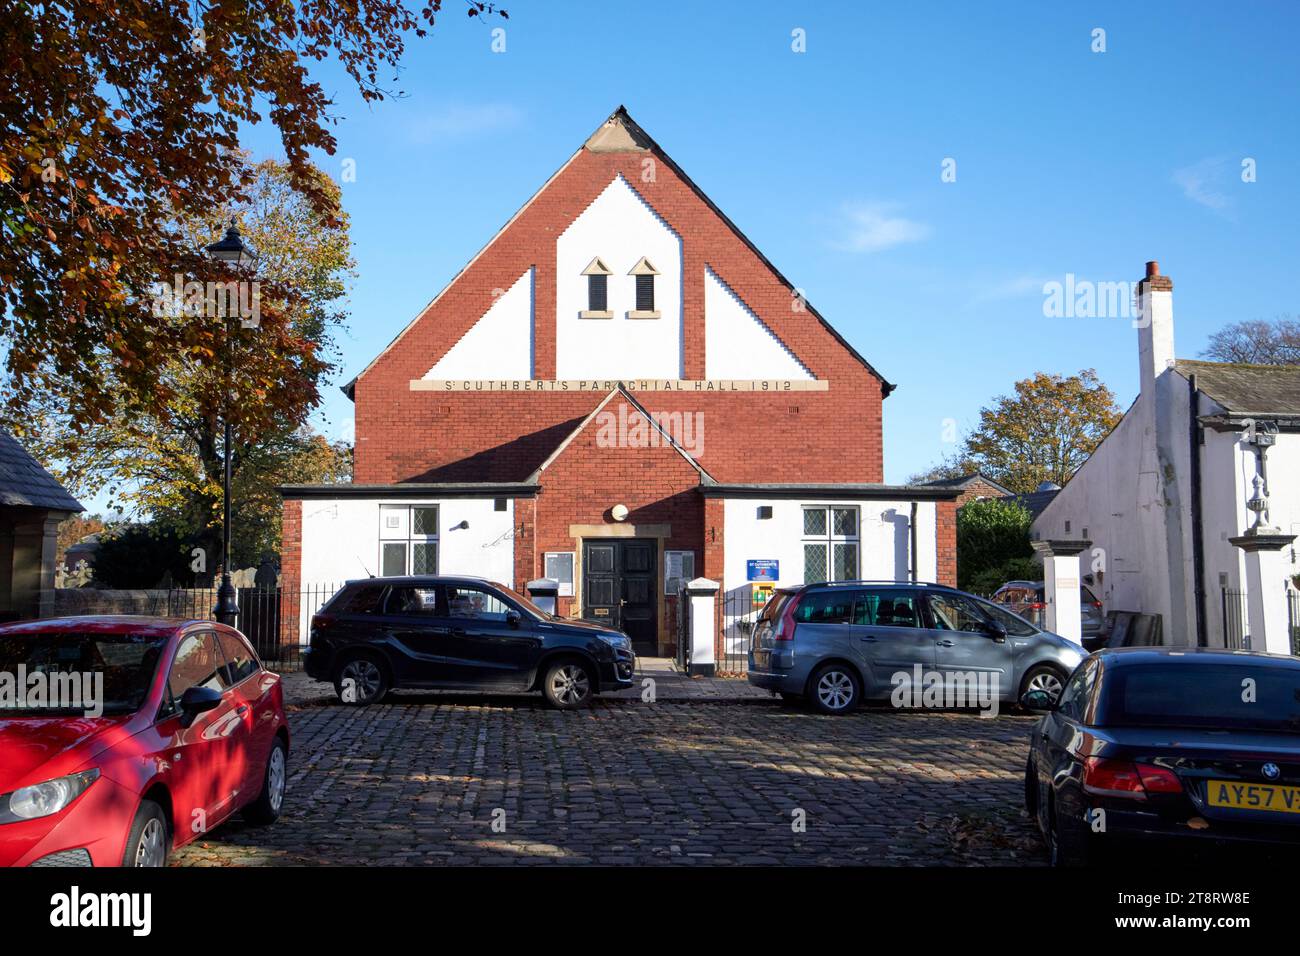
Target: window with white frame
x: 408, y: 539
x: 559, y: 568
x: 830, y: 543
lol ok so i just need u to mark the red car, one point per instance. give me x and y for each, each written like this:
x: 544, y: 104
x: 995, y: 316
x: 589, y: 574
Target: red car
x: 160, y: 731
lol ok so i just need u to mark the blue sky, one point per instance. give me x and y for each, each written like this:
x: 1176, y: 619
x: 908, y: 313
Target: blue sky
x: 1067, y: 161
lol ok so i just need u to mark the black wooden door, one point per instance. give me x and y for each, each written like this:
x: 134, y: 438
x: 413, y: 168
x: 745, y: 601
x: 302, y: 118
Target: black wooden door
x: 618, y: 588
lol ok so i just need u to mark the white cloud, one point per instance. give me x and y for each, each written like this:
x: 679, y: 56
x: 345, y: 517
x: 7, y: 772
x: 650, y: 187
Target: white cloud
x: 464, y: 121
x: 1198, y: 183
x: 872, y: 226
x: 1016, y: 287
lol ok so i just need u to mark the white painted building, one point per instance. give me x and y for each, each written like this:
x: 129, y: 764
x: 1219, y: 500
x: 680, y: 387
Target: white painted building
x: 1163, y: 495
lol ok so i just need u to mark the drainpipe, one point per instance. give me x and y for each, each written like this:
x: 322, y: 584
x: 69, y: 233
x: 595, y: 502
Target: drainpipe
x: 911, y: 529
x: 1195, y: 437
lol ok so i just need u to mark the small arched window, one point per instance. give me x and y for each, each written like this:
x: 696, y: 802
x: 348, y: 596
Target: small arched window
x: 645, y: 290
x: 597, y: 274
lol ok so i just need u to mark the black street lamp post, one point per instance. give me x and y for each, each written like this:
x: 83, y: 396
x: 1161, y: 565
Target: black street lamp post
x: 230, y: 249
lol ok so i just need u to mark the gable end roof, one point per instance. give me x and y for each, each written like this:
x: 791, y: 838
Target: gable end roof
x: 24, y: 483
x: 620, y: 133
x: 535, y: 477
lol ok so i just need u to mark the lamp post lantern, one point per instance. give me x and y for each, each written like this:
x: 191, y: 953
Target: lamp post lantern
x: 233, y: 250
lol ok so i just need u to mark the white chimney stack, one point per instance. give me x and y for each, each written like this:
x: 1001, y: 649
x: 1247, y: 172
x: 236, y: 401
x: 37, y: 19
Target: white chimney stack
x: 1155, y: 325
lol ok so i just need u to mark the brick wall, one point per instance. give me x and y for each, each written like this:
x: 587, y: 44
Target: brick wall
x: 946, y: 541
x: 290, y: 570
x: 979, y: 488
x: 426, y: 436
x: 656, y: 484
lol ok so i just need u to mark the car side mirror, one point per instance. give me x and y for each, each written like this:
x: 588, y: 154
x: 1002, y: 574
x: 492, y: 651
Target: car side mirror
x: 198, y: 700
x: 1037, y: 700
x: 996, y: 630
x: 513, y: 617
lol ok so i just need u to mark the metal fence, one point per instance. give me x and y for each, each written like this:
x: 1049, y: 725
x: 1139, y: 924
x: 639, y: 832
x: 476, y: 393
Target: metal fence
x: 1293, y: 618
x: 276, y: 620
x: 1233, y: 605
x: 737, y: 618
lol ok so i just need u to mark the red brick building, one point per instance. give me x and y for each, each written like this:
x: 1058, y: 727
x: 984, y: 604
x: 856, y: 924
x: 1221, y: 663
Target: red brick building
x: 620, y: 392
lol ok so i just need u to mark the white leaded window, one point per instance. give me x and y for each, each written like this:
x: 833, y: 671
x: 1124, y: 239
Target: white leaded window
x: 408, y: 539
x: 830, y: 543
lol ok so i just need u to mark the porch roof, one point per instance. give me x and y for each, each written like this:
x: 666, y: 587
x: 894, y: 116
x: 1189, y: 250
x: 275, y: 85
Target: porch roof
x: 456, y: 489
x: 844, y: 491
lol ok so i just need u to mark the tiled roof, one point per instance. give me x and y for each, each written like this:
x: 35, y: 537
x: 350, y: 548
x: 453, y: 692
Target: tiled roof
x: 1034, y: 501
x: 23, y: 482
x: 1247, y: 389
x: 966, y: 481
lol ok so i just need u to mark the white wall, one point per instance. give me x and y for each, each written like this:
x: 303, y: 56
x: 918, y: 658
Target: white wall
x: 618, y: 228
x: 1130, y: 505
x: 340, y: 541
x: 736, y: 344
x: 500, y: 344
x: 883, y: 544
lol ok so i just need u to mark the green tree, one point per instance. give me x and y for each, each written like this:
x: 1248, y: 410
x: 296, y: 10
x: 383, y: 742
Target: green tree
x: 1043, y: 432
x: 143, y: 556
x: 993, y: 545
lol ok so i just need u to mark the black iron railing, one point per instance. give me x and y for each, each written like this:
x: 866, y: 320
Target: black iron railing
x: 276, y: 620
x: 1235, y: 631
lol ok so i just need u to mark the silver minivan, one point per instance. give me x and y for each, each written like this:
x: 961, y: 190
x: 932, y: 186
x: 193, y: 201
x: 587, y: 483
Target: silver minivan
x: 834, y: 645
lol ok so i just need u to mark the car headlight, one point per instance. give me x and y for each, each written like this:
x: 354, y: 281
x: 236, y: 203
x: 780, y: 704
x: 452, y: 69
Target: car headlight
x: 43, y: 799
x: 618, y: 640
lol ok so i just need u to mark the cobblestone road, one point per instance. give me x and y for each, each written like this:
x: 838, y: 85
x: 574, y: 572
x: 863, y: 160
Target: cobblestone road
x: 422, y: 779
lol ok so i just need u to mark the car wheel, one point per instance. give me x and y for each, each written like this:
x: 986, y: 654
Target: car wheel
x: 1067, y: 845
x: 834, y: 689
x: 1043, y: 677
x: 1031, y: 791
x: 266, y: 808
x: 147, y: 842
x: 361, y: 681
x: 567, y: 684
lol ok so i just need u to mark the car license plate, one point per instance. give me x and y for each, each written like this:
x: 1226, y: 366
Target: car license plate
x: 1253, y: 796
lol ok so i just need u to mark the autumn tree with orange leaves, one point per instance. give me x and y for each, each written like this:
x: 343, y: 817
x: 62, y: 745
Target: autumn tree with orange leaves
x: 119, y: 119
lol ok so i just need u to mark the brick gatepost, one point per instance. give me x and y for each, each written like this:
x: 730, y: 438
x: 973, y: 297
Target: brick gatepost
x: 290, y: 571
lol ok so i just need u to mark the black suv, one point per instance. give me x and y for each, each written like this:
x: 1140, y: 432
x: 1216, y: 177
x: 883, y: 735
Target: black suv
x: 459, y: 634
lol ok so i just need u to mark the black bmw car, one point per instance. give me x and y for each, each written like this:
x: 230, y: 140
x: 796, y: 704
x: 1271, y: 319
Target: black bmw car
x: 459, y: 634
x: 1178, y: 745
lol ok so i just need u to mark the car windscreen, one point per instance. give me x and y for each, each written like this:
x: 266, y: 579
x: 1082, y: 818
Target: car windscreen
x: 524, y: 602
x: 1182, y: 693
x: 69, y: 667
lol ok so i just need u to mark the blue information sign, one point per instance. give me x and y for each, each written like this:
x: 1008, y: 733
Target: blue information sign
x: 763, y: 569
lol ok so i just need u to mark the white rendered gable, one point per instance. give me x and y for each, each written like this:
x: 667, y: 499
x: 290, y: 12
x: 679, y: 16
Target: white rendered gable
x: 736, y: 344
x: 620, y: 229
x: 500, y: 344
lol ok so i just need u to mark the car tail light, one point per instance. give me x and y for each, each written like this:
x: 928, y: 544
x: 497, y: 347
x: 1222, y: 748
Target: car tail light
x: 1124, y: 778
x: 321, y: 621
x: 1159, y: 780
x: 785, y: 632
x: 1037, y: 606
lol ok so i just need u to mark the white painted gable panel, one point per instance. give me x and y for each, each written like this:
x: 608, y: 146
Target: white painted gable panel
x: 737, y: 344
x: 619, y: 228
x: 500, y: 344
